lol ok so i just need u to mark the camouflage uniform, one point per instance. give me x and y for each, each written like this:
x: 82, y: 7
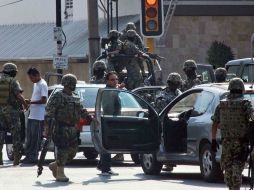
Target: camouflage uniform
x: 10, y: 111
x: 99, y: 68
x: 134, y: 78
x: 220, y: 75
x: 167, y: 95
x: 66, y: 110
x: 192, y: 79
x: 233, y: 115
x: 114, y: 47
x: 137, y: 39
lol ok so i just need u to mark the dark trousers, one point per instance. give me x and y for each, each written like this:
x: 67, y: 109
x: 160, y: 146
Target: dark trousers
x: 105, y: 162
x: 34, y: 137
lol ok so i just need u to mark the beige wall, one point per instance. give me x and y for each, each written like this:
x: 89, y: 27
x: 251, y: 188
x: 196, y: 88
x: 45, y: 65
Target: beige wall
x: 79, y: 69
x: 189, y: 37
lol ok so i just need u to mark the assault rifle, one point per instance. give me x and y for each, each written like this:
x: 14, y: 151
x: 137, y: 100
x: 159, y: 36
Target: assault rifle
x: 45, y: 146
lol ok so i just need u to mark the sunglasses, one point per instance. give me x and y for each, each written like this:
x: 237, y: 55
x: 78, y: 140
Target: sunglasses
x: 113, y: 79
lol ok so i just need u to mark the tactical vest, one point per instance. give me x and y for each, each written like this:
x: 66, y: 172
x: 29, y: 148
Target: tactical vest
x: 68, y: 111
x: 233, y: 119
x: 5, y: 90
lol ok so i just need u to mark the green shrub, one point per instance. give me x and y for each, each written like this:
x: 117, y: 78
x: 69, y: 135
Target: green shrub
x: 219, y: 54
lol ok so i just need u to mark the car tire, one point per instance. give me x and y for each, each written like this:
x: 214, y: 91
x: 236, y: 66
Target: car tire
x: 135, y: 158
x: 9, y: 152
x: 210, y: 169
x: 91, y: 155
x: 150, y: 165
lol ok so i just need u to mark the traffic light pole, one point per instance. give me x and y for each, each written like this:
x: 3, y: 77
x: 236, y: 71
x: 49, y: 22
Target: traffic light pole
x: 93, y: 33
x: 59, y: 43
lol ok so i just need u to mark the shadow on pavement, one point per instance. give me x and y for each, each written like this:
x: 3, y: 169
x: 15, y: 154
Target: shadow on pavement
x: 51, y: 184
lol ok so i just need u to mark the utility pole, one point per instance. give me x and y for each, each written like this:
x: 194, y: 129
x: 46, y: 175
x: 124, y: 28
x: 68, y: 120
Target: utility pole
x: 59, y: 42
x: 93, y: 33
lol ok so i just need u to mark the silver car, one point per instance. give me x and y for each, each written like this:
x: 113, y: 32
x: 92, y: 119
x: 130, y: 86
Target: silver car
x: 179, y: 135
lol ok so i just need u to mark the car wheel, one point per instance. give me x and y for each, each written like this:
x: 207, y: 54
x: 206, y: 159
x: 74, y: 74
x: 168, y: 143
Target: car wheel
x: 150, y: 165
x: 91, y: 155
x: 135, y: 158
x: 210, y: 169
x: 9, y: 151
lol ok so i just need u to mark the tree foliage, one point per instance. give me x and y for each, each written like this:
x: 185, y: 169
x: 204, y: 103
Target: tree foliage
x: 219, y: 54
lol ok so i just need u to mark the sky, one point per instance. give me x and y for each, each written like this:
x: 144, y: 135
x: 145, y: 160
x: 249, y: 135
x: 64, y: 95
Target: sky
x: 39, y: 11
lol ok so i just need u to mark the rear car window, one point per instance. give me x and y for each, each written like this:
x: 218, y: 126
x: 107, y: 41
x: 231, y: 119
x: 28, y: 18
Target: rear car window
x: 87, y: 95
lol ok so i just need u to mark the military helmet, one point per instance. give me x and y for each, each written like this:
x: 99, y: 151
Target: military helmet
x: 131, y: 33
x: 69, y: 80
x: 113, y: 34
x: 174, y: 78
x: 220, y: 74
x: 99, y: 65
x: 9, y: 67
x: 130, y: 26
x: 236, y: 84
x: 189, y: 64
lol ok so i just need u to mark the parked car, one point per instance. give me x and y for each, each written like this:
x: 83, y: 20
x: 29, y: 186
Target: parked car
x: 242, y: 68
x: 87, y: 93
x: 180, y: 134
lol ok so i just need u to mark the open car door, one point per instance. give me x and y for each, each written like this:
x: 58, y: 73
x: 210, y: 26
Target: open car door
x: 124, y: 123
x: 175, y: 119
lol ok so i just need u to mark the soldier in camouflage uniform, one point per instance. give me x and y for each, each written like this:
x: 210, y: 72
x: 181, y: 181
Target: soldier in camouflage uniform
x: 10, y: 100
x: 189, y: 68
x: 99, y: 71
x: 114, y: 48
x: 133, y: 65
x: 220, y: 75
x: 174, y: 82
x: 232, y: 116
x: 136, y: 39
x: 65, y: 109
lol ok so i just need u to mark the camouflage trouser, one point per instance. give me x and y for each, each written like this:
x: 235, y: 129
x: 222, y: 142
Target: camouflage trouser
x: 134, y: 81
x: 234, y: 154
x: 11, y: 122
x: 66, y: 141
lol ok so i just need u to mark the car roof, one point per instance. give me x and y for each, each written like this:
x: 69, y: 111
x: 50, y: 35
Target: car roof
x: 80, y: 84
x: 240, y: 61
x: 223, y: 87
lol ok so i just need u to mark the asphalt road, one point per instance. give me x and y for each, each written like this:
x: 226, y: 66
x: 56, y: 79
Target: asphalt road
x: 83, y: 175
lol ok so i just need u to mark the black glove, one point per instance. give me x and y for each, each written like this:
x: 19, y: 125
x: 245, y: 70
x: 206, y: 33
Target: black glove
x: 215, y: 145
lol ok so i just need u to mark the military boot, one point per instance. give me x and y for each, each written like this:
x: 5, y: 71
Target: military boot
x: 53, y: 168
x: 16, y: 160
x: 60, y: 176
x: 1, y: 158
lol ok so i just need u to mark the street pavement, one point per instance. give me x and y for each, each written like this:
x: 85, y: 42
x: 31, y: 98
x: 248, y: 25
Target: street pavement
x: 83, y: 175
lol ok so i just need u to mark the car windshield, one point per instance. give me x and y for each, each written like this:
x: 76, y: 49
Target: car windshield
x: 247, y: 75
x: 87, y: 95
x: 233, y: 69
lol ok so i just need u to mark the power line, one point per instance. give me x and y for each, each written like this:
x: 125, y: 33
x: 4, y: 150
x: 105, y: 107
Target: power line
x: 14, y: 2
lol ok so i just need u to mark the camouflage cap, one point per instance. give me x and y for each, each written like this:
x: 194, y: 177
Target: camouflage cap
x: 113, y: 34
x: 130, y: 26
x: 236, y: 84
x: 99, y: 65
x: 189, y: 64
x: 174, y: 78
x: 131, y: 33
x: 69, y: 80
x: 8, y: 67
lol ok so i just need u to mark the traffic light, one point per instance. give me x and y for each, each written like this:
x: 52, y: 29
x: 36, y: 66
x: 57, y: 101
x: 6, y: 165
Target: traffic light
x: 152, y: 21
